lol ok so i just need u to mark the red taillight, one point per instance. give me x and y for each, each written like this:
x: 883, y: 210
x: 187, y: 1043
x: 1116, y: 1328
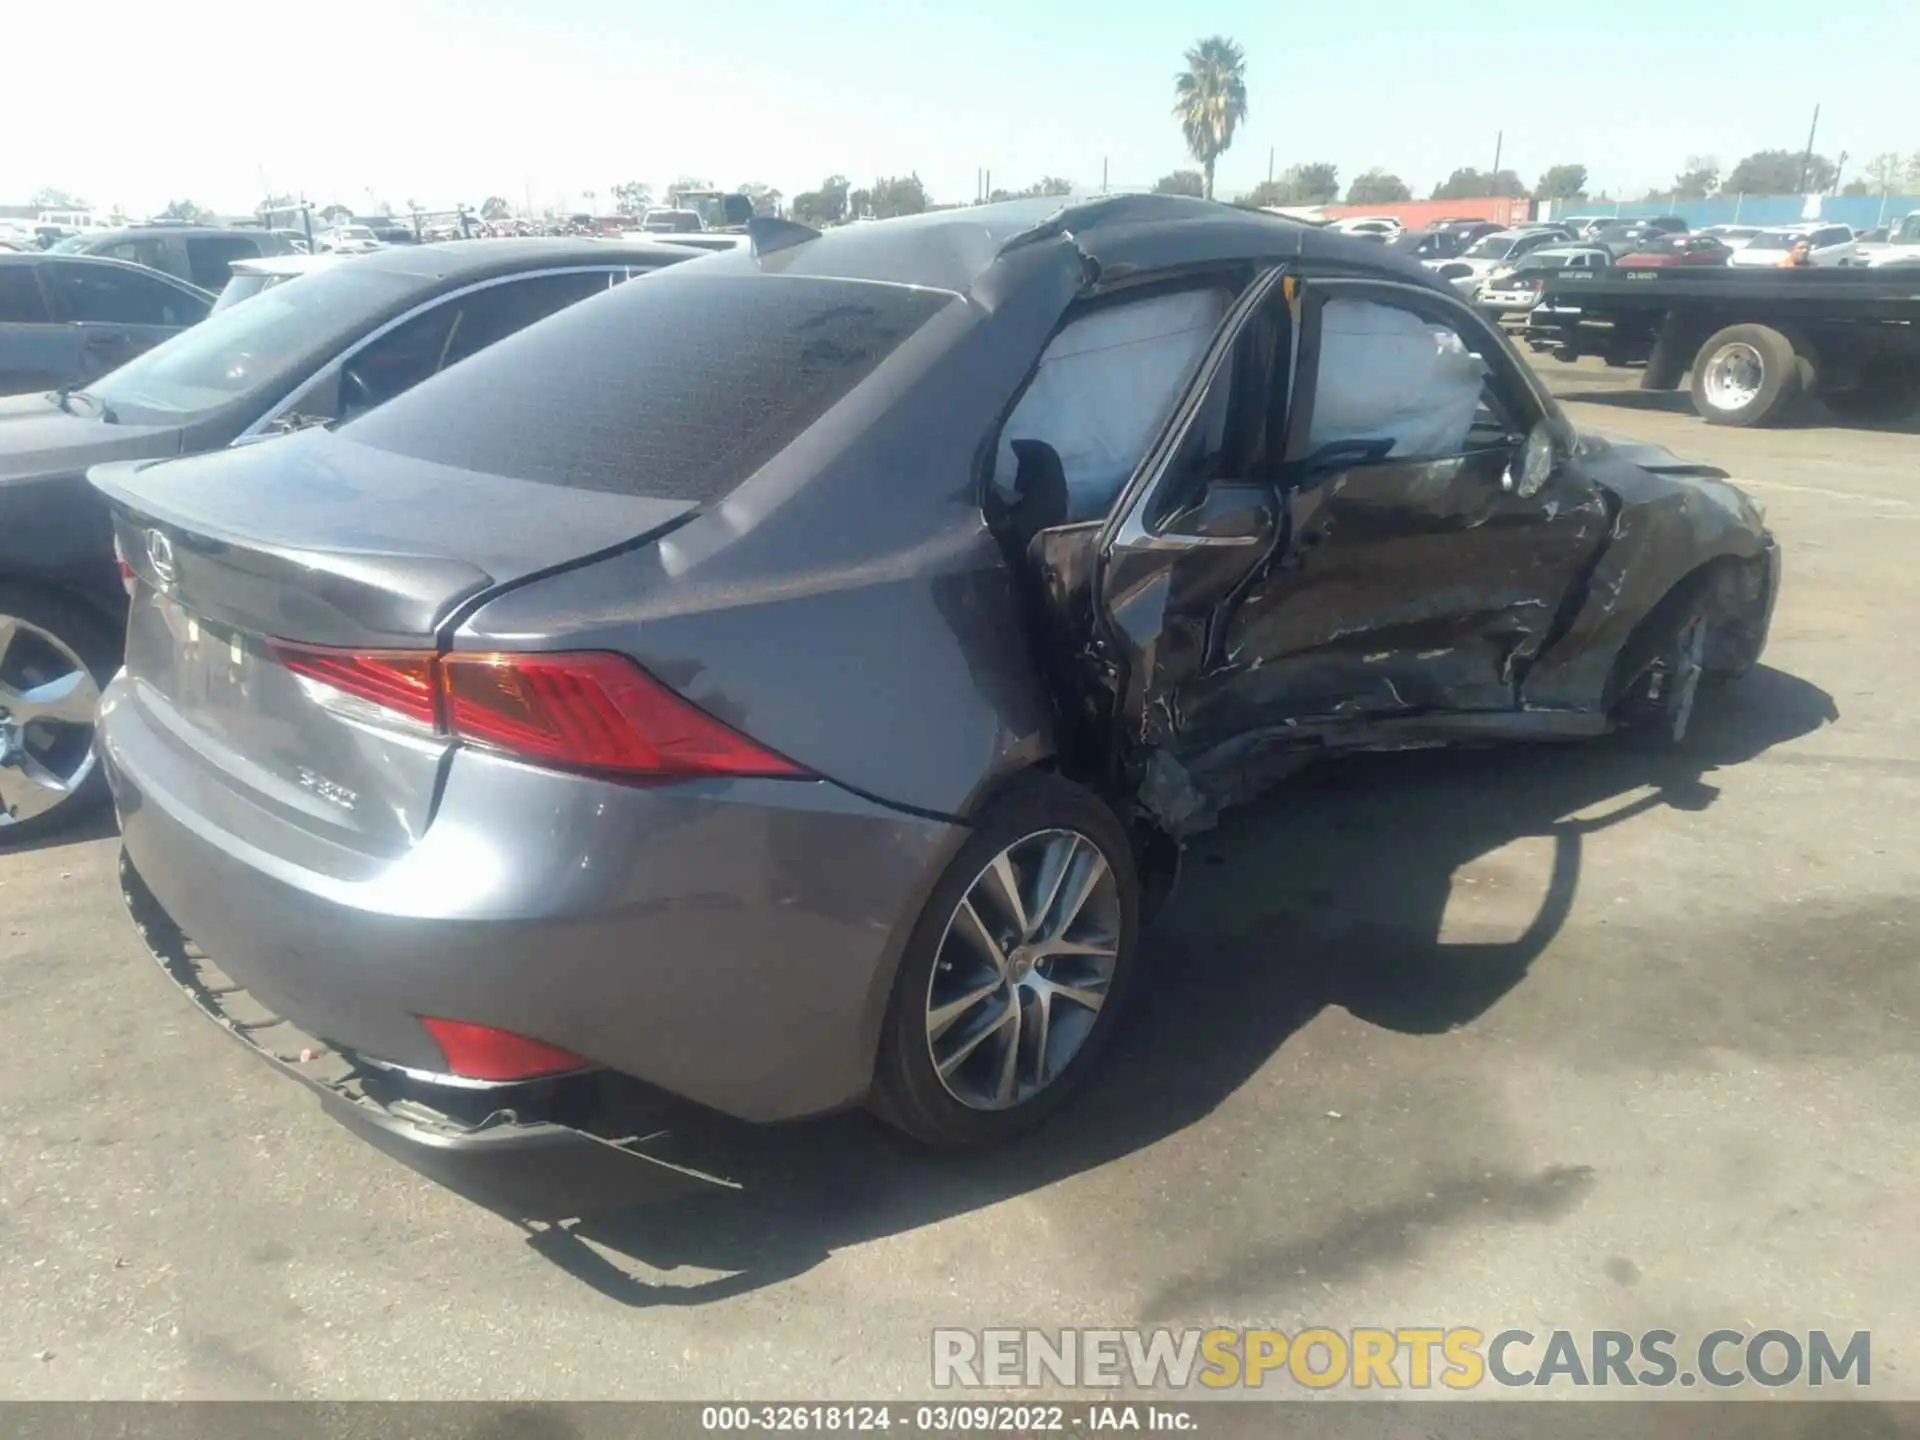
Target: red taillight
x: 480, y: 1052
x: 594, y: 710
x: 587, y: 710
x: 126, y: 570
x: 397, y: 680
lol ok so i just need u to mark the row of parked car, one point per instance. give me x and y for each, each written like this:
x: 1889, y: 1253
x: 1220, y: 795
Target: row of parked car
x: 1504, y: 269
x: 79, y: 308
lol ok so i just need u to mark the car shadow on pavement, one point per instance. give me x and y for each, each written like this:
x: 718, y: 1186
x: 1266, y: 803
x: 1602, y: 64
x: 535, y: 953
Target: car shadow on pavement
x: 1330, y: 892
x: 1672, y: 402
x: 96, y: 826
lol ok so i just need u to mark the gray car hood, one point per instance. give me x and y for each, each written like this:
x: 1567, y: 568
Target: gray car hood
x: 39, y: 440
x: 1643, y: 475
x: 1656, y: 458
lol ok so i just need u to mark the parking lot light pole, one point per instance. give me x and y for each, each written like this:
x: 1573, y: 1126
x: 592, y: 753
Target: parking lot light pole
x: 1806, y: 161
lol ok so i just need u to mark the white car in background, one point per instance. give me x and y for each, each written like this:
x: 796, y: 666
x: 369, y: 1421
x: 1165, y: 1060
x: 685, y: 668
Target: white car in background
x: 1832, y: 245
x: 1734, y: 237
x: 1901, y: 247
x: 1371, y: 227
x: 346, y: 240
x: 248, y: 278
x: 1581, y: 227
x: 1499, y: 251
x: 1517, y: 288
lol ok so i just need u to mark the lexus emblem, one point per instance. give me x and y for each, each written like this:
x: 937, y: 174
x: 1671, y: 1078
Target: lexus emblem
x: 160, y: 557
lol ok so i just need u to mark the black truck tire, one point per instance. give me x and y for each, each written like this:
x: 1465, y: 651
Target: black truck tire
x: 1746, y: 375
x: 1888, y: 394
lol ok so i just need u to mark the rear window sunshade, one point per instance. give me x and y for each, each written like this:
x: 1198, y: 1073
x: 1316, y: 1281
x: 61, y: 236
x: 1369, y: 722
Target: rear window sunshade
x: 675, y: 387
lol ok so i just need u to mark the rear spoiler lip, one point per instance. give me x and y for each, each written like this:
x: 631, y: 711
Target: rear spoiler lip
x: 111, y: 479
x: 301, y: 567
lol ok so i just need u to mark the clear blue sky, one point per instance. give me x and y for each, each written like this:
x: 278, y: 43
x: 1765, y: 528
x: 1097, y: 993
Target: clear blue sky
x: 445, y: 100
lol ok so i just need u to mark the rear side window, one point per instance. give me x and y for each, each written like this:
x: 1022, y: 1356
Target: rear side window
x: 208, y: 257
x: 109, y: 295
x: 488, y: 316
x: 20, y: 300
x: 677, y: 387
x: 151, y: 253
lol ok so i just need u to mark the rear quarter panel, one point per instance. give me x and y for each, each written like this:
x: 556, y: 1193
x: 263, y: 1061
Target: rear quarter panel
x: 847, y: 605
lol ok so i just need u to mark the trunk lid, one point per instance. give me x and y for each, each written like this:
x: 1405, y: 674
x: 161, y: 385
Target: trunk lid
x: 315, y: 540
x: 38, y: 439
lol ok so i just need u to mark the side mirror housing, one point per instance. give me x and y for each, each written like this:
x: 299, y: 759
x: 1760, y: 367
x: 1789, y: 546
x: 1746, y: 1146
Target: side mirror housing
x: 1533, y: 464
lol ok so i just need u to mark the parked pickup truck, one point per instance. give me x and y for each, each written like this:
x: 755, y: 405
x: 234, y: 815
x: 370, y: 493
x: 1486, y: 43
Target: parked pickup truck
x: 1752, y: 340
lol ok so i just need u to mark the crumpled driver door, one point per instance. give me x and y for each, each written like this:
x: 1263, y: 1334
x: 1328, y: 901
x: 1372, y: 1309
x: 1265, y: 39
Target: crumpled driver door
x: 1199, y: 521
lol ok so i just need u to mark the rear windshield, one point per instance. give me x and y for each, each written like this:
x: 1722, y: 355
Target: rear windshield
x: 676, y: 387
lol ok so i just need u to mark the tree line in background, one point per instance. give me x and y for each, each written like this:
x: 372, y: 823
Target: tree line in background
x: 1210, y: 106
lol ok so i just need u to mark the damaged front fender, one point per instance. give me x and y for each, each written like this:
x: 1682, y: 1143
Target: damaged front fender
x: 1675, y: 519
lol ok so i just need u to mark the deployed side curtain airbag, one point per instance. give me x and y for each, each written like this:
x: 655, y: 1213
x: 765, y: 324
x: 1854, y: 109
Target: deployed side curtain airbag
x: 1104, y: 388
x: 1387, y: 374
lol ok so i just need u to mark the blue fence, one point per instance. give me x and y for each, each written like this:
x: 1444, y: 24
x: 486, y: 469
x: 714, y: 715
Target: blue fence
x: 1862, y: 212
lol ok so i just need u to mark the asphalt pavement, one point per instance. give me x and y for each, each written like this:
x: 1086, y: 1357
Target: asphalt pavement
x: 1576, y: 1037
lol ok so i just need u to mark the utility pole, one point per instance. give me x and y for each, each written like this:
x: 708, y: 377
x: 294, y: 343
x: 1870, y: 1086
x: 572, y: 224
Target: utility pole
x: 1806, y: 161
x: 1270, y: 164
x: 1499, y: 145
x: 1103, y: 174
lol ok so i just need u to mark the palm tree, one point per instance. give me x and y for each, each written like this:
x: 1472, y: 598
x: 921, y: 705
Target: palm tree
x: 1210, y: 99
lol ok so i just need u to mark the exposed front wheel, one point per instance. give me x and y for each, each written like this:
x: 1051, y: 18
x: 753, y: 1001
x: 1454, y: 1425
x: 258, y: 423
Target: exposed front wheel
x: 1746, y: 375
x: 1015, y: 972
x: 55, y: 657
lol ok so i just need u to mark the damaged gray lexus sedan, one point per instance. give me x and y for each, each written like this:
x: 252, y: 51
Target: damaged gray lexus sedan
x: 782, y: 682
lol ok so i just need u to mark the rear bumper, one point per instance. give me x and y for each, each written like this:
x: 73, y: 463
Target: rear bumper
x: 504, y: 1117
x: 732, y: 942
x: 1505, y: 302
x: 539, y: 1151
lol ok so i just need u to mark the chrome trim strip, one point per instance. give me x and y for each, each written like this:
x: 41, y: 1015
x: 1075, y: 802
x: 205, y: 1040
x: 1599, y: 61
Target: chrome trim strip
x: 257, y: 429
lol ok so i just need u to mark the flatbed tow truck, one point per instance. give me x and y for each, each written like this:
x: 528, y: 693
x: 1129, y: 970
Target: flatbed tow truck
x: 1753, y: 341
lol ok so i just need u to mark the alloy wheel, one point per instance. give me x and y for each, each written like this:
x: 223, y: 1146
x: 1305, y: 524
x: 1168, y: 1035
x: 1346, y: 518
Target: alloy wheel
x: 1023, y: 969
x: 47, y: 703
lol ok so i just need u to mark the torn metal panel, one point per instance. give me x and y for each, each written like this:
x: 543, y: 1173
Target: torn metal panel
x: 1673, y: 518
x: 1371, y: 603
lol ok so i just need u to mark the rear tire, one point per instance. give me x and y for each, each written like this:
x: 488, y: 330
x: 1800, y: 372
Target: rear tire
x: 56, y: 655
x: 1003, y: 1008
x: 1890, y: 394
x: 1746, y: 375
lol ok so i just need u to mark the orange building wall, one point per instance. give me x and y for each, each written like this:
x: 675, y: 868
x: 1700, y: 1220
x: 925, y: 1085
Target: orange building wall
x: 1415, y: 214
